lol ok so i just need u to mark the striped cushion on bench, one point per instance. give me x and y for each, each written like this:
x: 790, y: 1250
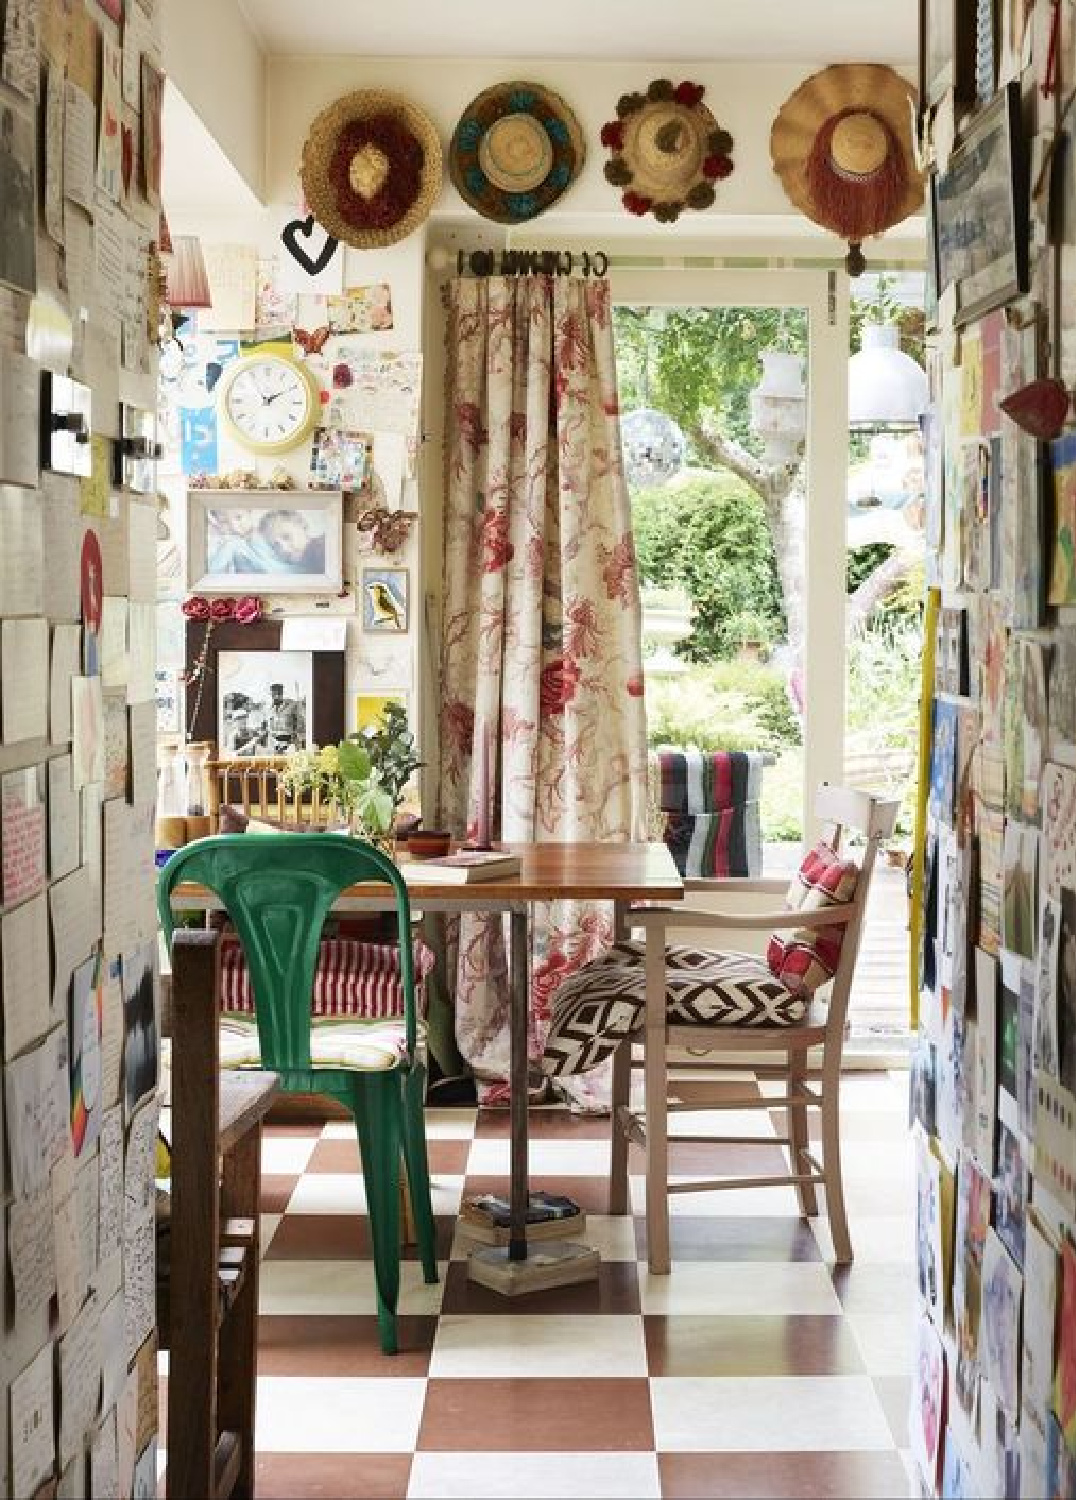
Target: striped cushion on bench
x: 355, y: 980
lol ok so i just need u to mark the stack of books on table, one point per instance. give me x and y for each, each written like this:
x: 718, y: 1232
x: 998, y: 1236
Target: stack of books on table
x: 465, y: 867
x: 549, y: 1217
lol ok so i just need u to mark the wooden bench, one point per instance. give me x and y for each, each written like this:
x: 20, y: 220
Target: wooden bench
x: 212, y: 1319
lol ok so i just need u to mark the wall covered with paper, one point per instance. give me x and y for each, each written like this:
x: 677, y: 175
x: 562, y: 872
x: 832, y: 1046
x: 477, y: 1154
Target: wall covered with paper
x: 993, y: 1407
x: 80, y: 150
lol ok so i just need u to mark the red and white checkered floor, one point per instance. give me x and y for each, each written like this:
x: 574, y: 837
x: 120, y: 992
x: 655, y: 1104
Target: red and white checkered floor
x: 754, y: 1369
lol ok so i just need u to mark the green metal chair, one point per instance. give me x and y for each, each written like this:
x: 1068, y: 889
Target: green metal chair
x: 278, y: 890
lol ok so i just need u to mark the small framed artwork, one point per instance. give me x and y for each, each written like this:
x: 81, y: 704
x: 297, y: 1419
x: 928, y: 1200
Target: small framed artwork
x: 340, y: 459
x: 250, y: 698
x: 386, y: 605
x: 981, y: 211
x: 258, y: 541
x: 947, y: 51
x: 370, y: 708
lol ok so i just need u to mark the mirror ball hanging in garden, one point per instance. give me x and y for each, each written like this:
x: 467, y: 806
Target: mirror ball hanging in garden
x: 654, y: 448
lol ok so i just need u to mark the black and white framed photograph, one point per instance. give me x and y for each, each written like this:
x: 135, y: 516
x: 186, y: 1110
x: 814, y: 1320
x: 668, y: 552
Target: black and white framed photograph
x: 18, y: 197
x: 981, y: 211
x: 258, y: 541
x: 264, y: 702
x: 216, y: 668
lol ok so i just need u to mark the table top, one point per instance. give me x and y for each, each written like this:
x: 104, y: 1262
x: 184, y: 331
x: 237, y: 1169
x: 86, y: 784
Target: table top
x: 548, y: 872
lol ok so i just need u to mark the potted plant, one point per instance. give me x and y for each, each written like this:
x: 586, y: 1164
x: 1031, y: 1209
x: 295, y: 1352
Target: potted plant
x: 363, y: 777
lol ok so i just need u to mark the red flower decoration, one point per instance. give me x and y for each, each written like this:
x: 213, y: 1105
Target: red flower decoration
x: 636, y: 204
x: 221, y: 609
x: 688, y: 93
x: 635, y: 685
x: 717, y: 166
x: 558, y: 685
x: 196, y: 608
x: 613, y: 134
x: 248, y: 610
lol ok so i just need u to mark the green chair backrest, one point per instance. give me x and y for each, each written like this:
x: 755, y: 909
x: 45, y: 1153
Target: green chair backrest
x: 278, y: 890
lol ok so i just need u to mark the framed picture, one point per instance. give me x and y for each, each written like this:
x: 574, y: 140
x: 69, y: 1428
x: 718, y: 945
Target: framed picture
x: 386, y: 606
x: 370, y: 707
x: 257, y: 541
x: 253, y: 698
x: 947, y: 52
x: 981, y: 211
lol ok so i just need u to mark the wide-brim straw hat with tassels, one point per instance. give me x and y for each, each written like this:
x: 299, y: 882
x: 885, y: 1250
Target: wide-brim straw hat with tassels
x: 842, y: 147
x: 516, y: 149
x: 372, y: 168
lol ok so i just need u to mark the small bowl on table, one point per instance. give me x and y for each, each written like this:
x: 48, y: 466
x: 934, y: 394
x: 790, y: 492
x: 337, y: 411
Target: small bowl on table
x: 428, y: 843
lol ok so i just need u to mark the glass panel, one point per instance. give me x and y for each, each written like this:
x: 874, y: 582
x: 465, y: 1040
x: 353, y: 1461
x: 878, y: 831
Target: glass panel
x: 714, y: 408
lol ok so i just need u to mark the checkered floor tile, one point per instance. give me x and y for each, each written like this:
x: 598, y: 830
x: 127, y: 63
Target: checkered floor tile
x: 755, y: 1369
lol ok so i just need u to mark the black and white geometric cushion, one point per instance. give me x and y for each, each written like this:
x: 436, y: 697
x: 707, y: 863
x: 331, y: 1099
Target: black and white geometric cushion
x: 604, y: 1002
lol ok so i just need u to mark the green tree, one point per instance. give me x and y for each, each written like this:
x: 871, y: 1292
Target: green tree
x: 700, y: 364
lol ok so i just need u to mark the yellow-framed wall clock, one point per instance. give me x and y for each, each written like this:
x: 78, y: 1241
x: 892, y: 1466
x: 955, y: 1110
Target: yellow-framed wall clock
x: 268, y: 402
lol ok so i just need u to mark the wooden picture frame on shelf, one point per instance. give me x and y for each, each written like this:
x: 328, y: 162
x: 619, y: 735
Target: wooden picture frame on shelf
x: 265, y: 541
x: 981, y: 211
x: 947, y: 52
x: 327, y: 707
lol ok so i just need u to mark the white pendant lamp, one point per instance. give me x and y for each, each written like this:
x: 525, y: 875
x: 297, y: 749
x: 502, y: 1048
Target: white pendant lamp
x: 887, y: 390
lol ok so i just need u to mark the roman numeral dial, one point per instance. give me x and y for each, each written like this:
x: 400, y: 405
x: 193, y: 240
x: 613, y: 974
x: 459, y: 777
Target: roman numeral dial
x: 269, y: 403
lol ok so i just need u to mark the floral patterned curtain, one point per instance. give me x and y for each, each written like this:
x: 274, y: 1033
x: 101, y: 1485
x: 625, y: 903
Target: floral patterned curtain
x: 541, y: 622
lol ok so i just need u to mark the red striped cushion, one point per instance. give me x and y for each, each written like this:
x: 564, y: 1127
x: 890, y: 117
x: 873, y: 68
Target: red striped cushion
x: 356, y: 979
x: 806, y: 958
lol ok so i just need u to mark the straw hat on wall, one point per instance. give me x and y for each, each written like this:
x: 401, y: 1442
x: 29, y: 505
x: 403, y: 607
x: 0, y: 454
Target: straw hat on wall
x: 667, y: 150
x: 371, y: 168
x: 516, y: 149
x: 842, y: 147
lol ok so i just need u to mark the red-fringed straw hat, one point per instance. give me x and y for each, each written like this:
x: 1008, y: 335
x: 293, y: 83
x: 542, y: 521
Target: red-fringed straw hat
x: 842, y: 147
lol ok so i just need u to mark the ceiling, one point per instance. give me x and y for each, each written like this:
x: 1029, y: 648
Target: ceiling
x: 736, y: 30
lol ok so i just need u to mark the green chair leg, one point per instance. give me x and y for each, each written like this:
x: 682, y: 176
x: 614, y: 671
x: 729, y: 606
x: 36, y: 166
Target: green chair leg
x: 418, y: 1171
x: 376, y: 1105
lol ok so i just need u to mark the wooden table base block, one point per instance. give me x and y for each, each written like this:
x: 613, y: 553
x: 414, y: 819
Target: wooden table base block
x: 551, y: 1263
x: 552, y: 1229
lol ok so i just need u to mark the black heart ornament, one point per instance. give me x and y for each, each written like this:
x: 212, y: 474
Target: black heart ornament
x: 311, y: 264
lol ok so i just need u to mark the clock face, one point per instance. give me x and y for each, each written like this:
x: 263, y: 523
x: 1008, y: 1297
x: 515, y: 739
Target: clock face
x: 270, y: 403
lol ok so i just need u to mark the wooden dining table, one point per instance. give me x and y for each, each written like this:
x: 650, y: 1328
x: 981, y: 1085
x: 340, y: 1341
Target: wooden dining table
x: 620, y: 873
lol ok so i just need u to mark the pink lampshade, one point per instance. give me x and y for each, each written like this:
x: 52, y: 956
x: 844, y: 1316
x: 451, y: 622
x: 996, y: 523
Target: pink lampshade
x: 188, y: 284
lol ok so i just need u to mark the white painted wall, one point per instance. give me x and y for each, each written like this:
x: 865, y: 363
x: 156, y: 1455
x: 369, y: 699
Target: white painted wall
x: 215, y: 61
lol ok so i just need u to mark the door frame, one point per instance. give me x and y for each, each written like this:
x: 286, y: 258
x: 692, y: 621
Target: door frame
x: 823, y: 293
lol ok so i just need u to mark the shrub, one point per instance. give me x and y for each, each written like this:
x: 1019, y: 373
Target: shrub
x: 709, y: 535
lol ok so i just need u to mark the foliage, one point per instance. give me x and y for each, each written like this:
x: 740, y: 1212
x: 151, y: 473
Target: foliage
x: 731, y: 705
x: 861, y: 562
x: 709, y: 535
x: 363, y: 775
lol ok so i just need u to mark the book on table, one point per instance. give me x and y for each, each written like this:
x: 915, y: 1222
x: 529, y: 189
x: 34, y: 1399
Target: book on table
x: 463, y: 867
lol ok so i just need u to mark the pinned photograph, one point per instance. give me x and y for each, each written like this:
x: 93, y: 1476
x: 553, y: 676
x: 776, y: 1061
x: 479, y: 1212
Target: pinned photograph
x: 140, y: 1026
x: 1044, y: 1047
x: 264, y: 701
x: 361, y: 309
x: 972, y: 1224
x: 927, y: 1401
x: 84, y: 1053
x: 1021, y: 858
x: 18, y: 198
x: 1000, y: 1327
x: 1010, y: 1194
x: 943, y: 763
x: 1066, y: 993
x: 340, y: 460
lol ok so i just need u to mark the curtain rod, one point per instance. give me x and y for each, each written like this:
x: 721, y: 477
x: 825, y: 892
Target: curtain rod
x: 531, y: 262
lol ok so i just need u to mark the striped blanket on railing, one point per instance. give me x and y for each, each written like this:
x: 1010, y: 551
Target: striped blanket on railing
x: 705, y: 805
